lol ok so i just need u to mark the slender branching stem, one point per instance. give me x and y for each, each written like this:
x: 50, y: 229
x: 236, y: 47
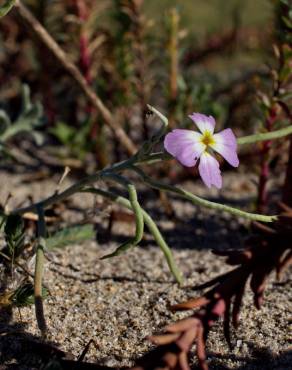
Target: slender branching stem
x: 130, y: 164
x: 75, y: 188
x: 148, y: 158
x: 143, y: 156
x: 88, y: 180
x: 200, y: 201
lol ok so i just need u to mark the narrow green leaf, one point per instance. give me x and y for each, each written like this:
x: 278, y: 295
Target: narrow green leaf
x: 202, y: 202
x: 120, y: 250
x: 24, y: 295
x: 71, y: 235
x: 14, y: 235
x: 6, y: 7
x: 287, y: 22
x: 5, y: 121
x: 29, y: 118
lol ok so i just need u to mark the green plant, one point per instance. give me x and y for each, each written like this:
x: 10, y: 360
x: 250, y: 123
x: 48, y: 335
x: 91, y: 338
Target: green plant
x: 29, y: 118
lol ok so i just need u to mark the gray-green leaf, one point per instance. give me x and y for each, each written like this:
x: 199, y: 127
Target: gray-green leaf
x: 71, y: 235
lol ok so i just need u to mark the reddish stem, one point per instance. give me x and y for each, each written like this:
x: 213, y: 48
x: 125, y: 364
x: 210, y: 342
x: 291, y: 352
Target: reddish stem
x: 85, y: 57
x: 264, y: 163
x: 287, y: 191
x: 85, y: 60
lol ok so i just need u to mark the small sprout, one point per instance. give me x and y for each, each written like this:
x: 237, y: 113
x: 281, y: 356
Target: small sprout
x: 21, y: 296
x: 14, y: 235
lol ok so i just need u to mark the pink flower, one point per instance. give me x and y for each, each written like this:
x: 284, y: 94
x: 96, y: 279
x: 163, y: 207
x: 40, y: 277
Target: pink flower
x: 190, y: 146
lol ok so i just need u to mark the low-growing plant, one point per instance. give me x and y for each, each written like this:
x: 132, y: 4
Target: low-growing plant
x: 29, y: 119
x: 268, y: 249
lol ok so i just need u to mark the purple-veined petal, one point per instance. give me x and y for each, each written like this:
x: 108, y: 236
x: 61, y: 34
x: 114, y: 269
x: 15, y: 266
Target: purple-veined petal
x: 185, y: 146
x: 204, y: 123
x: 226, y: 145
x: 209, y: 170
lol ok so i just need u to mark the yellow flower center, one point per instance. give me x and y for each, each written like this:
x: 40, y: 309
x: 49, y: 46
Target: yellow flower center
x: 207, y: 138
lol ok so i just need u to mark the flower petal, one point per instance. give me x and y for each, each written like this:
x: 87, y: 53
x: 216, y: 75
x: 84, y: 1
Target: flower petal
x: 185, y: 146
x: 209, y: 171
x: 204, y: 123
x: 226, y: 145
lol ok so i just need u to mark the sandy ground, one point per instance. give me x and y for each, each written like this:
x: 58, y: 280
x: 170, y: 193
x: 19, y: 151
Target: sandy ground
x: 119, y: 302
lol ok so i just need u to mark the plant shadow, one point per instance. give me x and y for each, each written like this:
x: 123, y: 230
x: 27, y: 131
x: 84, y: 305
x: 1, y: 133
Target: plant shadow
x: 260, y: 358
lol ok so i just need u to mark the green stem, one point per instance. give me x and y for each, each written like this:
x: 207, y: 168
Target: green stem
x: 150, y: 224
x: 200, y: 201
x: 88, y: 180
x: 135, y: 206
x: 245, y: 139
x: 148, y: 159
x: 39, y: 269
x: 277, y: 134
x: 138, y: 214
